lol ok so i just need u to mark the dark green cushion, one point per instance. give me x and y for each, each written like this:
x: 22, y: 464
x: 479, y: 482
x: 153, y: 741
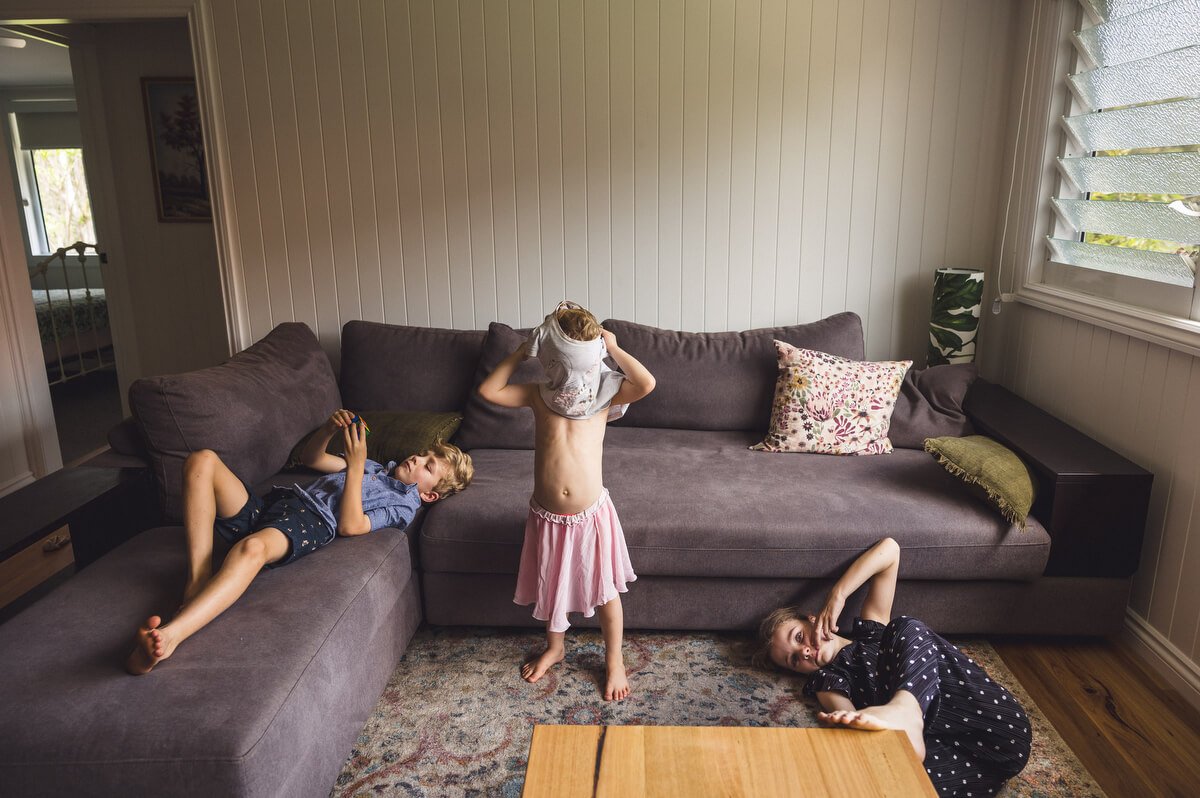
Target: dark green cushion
x: 394, y: 435
x: 986, y: 464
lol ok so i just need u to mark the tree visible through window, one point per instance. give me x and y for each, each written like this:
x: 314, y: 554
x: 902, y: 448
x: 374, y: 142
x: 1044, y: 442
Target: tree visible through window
x: 62, y: 191
x: 1192, y: 251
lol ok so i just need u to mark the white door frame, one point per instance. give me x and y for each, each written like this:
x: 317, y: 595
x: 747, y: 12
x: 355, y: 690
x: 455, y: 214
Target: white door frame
x: 38, y: 416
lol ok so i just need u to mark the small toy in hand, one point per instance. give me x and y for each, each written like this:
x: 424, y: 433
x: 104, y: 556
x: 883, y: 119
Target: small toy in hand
x: 359, y: 420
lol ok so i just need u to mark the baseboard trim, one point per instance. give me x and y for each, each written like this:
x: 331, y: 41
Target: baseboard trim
x: 1161, y: 654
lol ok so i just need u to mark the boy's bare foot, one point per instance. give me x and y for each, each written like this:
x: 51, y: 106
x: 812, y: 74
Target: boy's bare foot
x: 616, y: 686
x: 151, y: 646
x: 536, y: 667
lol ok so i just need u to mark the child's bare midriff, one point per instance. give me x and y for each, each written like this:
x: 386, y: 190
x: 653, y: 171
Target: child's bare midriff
x: 568, y: 460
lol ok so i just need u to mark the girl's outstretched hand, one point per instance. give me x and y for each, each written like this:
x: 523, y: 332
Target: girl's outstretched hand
x: 826, y: 623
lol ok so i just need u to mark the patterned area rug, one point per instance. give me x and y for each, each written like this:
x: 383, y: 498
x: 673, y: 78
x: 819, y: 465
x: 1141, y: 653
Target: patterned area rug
x: 456, y: 719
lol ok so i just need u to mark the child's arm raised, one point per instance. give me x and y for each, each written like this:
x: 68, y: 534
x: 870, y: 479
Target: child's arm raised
x: 314, y: 455
x: 495, y: 387
x: 638, y: 380
x: 351, y: 518
x: 880, y: 564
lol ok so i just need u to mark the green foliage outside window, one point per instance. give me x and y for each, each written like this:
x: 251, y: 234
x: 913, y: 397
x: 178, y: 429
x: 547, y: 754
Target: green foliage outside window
x: 1192, y: 251
x: 62, y: 190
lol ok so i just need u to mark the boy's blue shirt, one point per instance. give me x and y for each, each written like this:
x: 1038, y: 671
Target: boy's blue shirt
x: 386, y: 501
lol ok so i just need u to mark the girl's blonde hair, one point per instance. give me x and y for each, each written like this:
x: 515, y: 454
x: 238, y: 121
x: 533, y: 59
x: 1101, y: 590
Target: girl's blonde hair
x: 761, y: 658
x: 577, y: 322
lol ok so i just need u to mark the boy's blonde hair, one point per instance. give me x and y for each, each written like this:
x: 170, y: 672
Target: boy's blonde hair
x: 578, y: 323
x: 761, y: 658
x: 460, y: 469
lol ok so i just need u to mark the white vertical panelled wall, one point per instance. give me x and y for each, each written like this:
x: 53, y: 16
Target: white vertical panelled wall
x: 1144, y: 401
x: 692, y: 164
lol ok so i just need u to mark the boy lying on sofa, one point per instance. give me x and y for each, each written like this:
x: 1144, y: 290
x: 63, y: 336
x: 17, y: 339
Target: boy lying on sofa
x: 356, y: 496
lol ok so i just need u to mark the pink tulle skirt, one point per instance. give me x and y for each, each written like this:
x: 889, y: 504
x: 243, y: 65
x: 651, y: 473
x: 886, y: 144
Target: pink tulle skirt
x: 572, y: 563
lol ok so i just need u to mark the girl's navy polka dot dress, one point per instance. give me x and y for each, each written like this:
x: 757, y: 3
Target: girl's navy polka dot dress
x: 976, y: 734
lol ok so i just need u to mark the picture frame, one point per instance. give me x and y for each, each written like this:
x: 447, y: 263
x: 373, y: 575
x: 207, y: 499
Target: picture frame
x: 177, y: 159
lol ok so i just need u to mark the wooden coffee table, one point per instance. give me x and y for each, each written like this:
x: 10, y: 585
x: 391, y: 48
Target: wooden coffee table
x: 692, y: 761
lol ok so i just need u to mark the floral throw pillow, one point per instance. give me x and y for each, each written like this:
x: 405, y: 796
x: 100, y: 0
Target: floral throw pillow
x: 830, y: 405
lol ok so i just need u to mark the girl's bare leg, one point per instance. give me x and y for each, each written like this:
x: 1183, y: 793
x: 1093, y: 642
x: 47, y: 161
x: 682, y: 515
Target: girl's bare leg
x: 902, y: 712
x: 154, y: 643
x: 210, y: 489
x: 536, y: 667
x: 612, y: 624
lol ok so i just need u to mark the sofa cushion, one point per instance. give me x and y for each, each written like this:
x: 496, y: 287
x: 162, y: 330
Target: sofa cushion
x: 265, y: 701
x: 724, y: 380
x: 930, y: 405
x: 489, y: 426
x: 830, y: 405
x: 702, y: 504
x: 396, y: 367
x: 250, y: 410
x: 991, y: 468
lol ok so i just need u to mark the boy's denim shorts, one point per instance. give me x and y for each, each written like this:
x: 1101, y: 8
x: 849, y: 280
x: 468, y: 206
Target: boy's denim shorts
x: 280, y: 509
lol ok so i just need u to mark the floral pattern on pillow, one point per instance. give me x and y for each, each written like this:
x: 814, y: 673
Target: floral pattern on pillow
x: 831, y: 405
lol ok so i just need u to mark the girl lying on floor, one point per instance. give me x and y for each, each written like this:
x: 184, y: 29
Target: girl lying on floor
x: 898, y: 674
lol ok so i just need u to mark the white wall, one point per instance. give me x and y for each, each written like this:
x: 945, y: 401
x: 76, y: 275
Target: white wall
x: 1142, y: 400
x: 693, y: 165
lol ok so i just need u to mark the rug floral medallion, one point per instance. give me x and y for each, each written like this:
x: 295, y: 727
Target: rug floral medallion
x: 456, y: 718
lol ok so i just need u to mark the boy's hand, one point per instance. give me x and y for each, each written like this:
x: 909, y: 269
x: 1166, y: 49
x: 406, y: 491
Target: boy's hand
x: 355, y: 438
x: 339, y: 420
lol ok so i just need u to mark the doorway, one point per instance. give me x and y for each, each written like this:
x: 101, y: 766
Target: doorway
x: 44, y: 145
x: 149, y: 294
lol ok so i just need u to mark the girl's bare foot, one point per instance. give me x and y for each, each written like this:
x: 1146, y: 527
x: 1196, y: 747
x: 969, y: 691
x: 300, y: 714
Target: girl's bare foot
x: 616, y: 687
x: 536, y: 667
x: 151, y: 646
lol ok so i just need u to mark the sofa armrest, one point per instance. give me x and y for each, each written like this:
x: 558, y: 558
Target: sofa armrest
x: 1092, y: 501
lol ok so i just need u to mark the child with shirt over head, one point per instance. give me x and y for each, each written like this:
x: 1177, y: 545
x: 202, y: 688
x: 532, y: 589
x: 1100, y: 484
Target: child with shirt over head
x: 356, y: 496
x: 574, y: 558
x: 896, y: 673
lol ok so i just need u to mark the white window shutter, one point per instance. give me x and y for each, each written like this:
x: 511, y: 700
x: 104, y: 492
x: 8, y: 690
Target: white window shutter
x: 1136, y: 131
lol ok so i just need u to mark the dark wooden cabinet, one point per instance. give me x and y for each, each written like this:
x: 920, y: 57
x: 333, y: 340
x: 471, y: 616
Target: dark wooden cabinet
x: 103, y: 506
x: 1091, y: 500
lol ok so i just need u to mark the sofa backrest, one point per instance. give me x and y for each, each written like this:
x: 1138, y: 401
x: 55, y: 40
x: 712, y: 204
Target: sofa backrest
x: 251, y: 410
x: 724, y: 380
x: 397, y: 367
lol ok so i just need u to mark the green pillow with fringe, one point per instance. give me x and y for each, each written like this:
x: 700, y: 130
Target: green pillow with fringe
x: 394, y: 435
x: 986, y: 464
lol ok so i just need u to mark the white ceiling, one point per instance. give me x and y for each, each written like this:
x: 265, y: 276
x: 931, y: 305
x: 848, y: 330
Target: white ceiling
x: 35, y: 64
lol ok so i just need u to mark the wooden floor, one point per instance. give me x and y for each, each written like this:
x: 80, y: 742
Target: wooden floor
x: 1134, y: 734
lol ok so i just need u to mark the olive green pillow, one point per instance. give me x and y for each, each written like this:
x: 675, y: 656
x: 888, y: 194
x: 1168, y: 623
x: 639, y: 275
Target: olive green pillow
x: 984, y: 463
x: 394, y: 435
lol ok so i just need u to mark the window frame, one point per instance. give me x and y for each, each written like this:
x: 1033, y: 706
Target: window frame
x: 1051, y: 99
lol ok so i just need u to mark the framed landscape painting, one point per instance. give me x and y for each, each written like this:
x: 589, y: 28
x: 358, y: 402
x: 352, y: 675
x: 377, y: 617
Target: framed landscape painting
x: 176, y: 150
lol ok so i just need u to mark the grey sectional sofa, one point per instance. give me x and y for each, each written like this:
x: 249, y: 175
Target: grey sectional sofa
x: 268, y: 699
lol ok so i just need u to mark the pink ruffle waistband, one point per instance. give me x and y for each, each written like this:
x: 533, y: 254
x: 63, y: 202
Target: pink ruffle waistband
x: 577, y: 518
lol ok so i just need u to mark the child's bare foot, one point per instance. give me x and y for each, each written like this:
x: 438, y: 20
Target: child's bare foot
x: 616, y: 686
x: 536, y: 667
x: 151, y: 646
